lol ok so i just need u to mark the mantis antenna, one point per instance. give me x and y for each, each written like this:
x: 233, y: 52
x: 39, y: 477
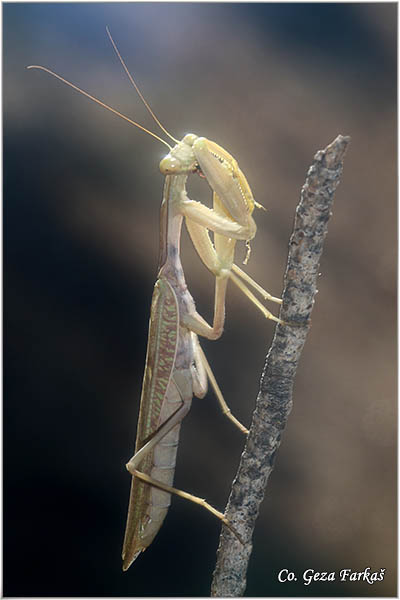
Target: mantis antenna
x: 75, y: 87
x: 133, y: 82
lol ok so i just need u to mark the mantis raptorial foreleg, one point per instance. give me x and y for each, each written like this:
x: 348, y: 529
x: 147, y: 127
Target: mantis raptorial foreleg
x: 208, y: 218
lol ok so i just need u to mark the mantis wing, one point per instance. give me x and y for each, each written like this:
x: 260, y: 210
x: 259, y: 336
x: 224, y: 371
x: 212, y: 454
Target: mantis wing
x: 160, y: 360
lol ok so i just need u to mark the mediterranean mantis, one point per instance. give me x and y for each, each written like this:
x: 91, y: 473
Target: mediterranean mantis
x: 176, y: 367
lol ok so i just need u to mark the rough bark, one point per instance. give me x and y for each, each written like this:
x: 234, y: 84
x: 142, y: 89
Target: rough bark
x: 274, y: 401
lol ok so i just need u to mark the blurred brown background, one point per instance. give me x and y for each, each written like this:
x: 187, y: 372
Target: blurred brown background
x: 272, y: 83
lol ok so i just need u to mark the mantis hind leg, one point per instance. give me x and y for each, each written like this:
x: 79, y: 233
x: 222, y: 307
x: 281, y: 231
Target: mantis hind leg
x: 172, y: 490
x: 156, y: 438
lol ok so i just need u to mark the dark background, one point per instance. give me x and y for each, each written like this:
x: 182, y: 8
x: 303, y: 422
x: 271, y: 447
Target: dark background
x: 272, y: 83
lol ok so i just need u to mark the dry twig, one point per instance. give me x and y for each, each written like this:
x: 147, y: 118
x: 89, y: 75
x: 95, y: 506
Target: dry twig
x: 274, y: 400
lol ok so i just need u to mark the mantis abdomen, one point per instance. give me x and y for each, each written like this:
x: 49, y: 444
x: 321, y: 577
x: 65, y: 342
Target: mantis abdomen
x: 166, y: 398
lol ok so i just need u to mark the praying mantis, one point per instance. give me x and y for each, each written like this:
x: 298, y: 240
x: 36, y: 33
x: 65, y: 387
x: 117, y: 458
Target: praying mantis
x: 176, y: 367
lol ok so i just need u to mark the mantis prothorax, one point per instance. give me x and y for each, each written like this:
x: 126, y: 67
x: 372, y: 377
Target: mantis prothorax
x: 176, y: 367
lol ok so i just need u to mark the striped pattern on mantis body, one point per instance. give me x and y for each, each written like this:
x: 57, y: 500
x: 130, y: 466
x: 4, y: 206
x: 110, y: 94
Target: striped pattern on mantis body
x: 155, y: 408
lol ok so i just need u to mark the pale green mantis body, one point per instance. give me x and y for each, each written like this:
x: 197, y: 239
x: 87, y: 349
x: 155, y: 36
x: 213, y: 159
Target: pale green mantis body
x: 176, y: 368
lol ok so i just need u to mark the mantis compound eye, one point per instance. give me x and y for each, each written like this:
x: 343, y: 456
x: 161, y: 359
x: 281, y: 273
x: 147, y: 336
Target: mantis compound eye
x: 170, y: 165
